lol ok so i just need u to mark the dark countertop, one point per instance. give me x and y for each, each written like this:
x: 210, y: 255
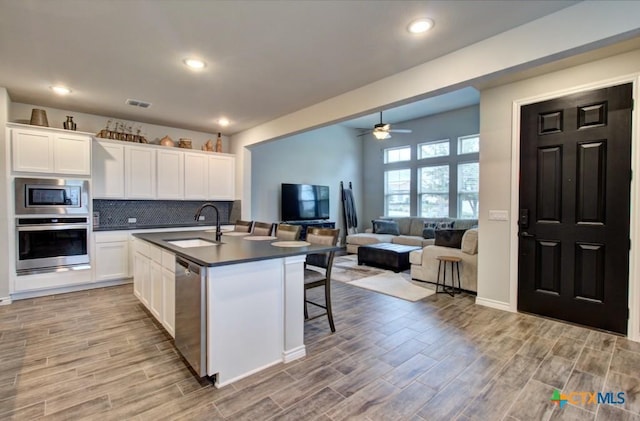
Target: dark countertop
x: 232, y: 250
x: 157, y: 226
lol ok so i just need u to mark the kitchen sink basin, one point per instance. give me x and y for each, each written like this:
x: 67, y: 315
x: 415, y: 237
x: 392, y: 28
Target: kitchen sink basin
x: 192, y: 242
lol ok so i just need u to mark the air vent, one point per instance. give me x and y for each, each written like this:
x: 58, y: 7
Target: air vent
x: 138, y: 103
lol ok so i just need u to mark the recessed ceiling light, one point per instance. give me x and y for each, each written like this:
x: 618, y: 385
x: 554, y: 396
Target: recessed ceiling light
x: 194, y: 63
x: 61, y: 90
x: 420, y: 26
x: 224, y: 122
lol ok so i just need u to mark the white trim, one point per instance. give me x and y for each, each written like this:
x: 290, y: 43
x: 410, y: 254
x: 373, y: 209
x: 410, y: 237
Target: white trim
x: 219, y: 384
x: 294, y: 354
x: 5, y: 301
x: 64, y: 290
x: 499, y: 305
x: 633, y: 327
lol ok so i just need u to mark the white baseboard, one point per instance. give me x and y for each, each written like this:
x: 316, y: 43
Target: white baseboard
x: 218, y: 384
x: 5, y: 301
x: 294, y: 354
x: 499, y: 305
x: 64, y: 290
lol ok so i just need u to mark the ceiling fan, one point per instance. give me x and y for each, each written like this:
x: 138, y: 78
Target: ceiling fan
x: 383, y: 131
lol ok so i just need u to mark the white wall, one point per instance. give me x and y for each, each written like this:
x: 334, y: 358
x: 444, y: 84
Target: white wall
x: 21, y: 113
x: 449, y: 125
x: 4, y: 212
x: 324, y: 156
x: 495, y: 269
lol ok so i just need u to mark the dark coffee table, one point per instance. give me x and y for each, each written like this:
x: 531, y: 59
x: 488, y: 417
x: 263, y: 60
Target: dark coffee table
x: 386, y: 256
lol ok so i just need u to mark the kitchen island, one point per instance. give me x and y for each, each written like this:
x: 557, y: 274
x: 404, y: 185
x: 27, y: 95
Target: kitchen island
x: 253, y: 298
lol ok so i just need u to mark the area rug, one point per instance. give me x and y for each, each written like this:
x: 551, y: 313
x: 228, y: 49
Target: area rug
x: 346, y: 269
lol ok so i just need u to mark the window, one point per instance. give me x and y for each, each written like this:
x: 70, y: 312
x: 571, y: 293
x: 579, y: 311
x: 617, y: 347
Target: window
x: 468, y: 188
x: 433, y: 191
x: 400, y: 154
x: 468, y: 144
x: 397, y: 187
x: 433, y: 149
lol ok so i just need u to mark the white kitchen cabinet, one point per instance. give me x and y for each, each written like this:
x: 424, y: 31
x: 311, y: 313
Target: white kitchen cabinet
x: 108, y: 170
x: 71, y: 154
x: 221, y: 177
x: 169, y: 292
x: 111, y: 259
x: 140, y: 172
x: 154, y: 282
x: 50, y: 151
x: 196, y: 176
x: 170, y: 170
x: 141, y: 275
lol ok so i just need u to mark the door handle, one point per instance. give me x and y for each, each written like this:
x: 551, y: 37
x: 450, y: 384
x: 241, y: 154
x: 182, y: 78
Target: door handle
x: 525, y: 234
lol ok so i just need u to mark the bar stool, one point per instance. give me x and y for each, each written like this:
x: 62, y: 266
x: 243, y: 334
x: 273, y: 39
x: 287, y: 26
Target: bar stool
x: 453, y: 260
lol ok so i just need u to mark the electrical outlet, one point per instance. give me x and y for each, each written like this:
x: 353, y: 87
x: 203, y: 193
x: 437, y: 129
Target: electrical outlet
x: 132, y: 220
x: 201, y: 218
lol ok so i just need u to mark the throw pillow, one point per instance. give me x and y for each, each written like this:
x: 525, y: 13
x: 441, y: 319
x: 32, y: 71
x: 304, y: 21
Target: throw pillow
x: 381, y: 226
x: 449, y: 238
x: 428, y: 233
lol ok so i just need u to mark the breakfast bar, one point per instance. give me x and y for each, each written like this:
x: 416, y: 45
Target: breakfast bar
x: 252, y: 300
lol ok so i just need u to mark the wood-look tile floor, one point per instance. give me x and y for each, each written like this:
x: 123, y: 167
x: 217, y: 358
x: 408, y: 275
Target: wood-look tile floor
x: 98, y: 355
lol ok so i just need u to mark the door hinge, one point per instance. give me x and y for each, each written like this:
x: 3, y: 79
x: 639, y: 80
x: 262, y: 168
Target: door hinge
x: 628, y: 313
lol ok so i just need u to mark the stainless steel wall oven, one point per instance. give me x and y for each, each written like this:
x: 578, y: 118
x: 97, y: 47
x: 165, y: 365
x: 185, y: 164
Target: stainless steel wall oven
x: 52, y: 225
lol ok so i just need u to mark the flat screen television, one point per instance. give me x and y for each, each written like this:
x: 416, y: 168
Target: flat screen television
x: 302, y: 202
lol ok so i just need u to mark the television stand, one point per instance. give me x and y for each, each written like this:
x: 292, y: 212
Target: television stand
x: 319, y: 223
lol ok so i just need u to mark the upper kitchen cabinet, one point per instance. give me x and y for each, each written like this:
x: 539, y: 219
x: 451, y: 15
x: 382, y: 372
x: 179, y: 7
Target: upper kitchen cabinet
x: 108, y: 170
x: 170, y: 180
x: 140, y: 170
x: 122, y: 170
x: 221, y: 177
x: 49, y: 151
x: 195, y: 176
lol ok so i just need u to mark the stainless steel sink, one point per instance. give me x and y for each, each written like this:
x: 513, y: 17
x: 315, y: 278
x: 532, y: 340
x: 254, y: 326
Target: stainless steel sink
x: 192, y: 242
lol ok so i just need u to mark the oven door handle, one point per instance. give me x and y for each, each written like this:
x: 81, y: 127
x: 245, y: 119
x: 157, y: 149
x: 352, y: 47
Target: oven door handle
x: 52, y: 227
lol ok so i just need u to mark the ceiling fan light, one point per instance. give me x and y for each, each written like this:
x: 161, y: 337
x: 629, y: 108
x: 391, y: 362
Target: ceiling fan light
x: 381, y: 135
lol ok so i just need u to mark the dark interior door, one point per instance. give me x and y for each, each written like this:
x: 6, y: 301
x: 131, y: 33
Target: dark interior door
x: 575, y: 178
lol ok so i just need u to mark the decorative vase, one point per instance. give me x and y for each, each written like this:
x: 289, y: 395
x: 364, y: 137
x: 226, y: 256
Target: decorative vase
x: 69, y: 124
x: 167, y: 141
x: 219, y: 143
x: 39, y: 118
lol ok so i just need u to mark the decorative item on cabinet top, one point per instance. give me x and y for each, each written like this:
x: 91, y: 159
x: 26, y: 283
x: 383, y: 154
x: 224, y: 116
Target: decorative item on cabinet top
x: 122, y: 131
x: 69, y: 124
x: 39, y: 118
x: 167, y: 141
x: 184, y: 143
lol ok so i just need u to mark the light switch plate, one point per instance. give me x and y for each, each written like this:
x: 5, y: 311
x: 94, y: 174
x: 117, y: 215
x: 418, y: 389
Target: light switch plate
x: 498, y: 215
x: 132, y: 220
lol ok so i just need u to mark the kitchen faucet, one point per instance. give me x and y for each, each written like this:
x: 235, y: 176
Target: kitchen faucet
x: 211, y: 205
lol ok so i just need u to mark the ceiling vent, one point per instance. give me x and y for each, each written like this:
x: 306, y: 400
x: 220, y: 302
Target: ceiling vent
x: 138, y: 103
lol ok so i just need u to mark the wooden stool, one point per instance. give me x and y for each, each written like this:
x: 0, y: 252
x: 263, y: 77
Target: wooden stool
x: 452, y: 260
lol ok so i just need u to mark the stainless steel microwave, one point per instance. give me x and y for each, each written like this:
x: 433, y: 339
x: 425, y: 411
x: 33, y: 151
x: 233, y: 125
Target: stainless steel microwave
x: 51, y: 196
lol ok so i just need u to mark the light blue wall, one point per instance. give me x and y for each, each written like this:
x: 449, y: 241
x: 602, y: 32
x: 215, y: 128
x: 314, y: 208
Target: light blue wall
x: 449, y: 125
x: 324, y: 156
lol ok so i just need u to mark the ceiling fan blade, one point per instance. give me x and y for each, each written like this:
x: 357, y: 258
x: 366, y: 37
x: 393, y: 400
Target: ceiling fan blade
x: 400, y: 130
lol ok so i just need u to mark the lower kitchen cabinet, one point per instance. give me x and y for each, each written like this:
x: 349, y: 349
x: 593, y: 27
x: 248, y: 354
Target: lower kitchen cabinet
x: 154, y: 284
x: 111, y: 256
x: 169, y: 292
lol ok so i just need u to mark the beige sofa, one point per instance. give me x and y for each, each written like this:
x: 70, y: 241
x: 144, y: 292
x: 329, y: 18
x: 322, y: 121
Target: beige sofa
x: 410, y: 228
x: 424, y: 265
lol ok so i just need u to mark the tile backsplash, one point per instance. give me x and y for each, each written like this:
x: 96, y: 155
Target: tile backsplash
x: 118, y: 213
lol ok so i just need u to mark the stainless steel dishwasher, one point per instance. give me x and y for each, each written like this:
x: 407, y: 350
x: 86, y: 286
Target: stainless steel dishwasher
x: 191, y: 314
